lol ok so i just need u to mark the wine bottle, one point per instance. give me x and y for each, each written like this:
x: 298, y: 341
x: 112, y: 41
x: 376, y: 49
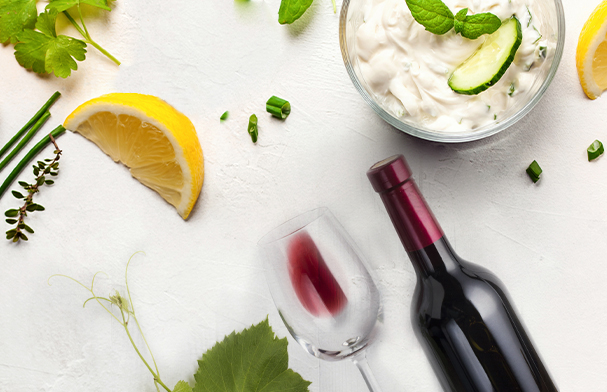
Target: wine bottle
x: 461, y: 313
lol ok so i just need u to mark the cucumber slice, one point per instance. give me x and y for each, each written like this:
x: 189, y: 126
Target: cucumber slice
x: 487, y: 65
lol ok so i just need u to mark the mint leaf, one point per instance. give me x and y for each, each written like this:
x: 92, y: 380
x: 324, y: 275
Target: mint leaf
x: 291, y: 10
x: 460, y: 17
x: 62, y: 5
x: 182, y: 386
x: 479, y: 24
x: 15, y: 16
x: 44, y: 51
x: 434, y: 15
x: 253, y: 360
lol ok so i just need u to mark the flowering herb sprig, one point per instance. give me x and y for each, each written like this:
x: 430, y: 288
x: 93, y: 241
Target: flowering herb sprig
x: 50, y: 167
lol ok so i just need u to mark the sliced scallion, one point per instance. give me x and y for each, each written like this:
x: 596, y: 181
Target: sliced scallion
x: 534, y: 170
x: 224, y: 116
x: 278, y: 107
x: 252, y: 129
x: 595, y: 150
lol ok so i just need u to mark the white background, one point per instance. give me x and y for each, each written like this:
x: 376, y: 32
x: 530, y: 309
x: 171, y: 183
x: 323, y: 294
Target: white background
x: 203, y: 278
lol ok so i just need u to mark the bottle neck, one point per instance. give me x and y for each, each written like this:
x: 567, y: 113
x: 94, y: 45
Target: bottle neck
x: 414, y: 222
x: 434, y: 259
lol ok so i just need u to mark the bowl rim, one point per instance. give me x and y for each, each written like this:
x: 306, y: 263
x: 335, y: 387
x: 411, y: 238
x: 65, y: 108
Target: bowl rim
x: 454, y: 137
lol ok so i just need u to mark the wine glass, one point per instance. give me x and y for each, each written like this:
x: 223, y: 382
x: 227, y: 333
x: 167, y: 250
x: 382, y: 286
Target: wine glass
x: 322, y: 289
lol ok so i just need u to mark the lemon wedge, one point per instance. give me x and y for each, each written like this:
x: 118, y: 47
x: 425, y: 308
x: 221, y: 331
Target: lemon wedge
x: 158, y: 143
x: 591, y: 55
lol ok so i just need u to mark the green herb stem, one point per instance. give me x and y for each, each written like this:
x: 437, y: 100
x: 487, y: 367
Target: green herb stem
x: 28, y: 158
x: 25, y: 140
x: 31, y: 122
x: 88, y: 39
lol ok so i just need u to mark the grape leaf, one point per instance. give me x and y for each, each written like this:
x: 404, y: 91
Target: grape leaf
x: 291, y: 10
x: 62, y: 5
x: 252, y: 360
x: 16, y: 15
x: 182, y: 386
x: 44, y: 51
x: 434, y: 15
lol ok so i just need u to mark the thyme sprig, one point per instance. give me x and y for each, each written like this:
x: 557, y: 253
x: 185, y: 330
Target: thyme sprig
x: 17, y: 216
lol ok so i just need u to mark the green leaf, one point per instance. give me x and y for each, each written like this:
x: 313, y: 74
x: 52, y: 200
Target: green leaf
x: 49, y: 182
x: 20, y: 235
x: 15, y: 16
x: 11, y: 221
x: 291, y: 10
x: 182, y: 386
x: 479, y: 24
x: 62, y: 5
x: 40, y: 181
x: 28, y: 229
x: 38, y: 207
x: 17, y: 195
x: 45, y: 52
x: 252, y: 360
x: 434, y: 15
x: 11, y: 213
x: 30, y: 208
x: 24, y: 184
x: 460, y: 17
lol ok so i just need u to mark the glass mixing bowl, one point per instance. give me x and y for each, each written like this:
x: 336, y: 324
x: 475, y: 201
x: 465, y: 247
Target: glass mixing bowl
x: 553, y: 25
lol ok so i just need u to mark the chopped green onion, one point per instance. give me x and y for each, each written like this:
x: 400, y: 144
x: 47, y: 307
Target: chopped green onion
x: 511, y: 89
x: 278, y: 107
x: 542, y: 51
x: 28, y: 157
x: 595, y: 150
x: 224, y: 116
x: 31, y: 122
x: 534, y: 170
x: 253, y: 128
x: 25, y: 140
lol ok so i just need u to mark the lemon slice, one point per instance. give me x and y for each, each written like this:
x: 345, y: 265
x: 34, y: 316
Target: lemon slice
x: 158, y: 143
x: 591, y: 55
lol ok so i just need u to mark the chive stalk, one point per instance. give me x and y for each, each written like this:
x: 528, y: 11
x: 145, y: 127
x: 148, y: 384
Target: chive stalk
x: 278, y: 107
x: 595, y: 150
x: 252, y: 129
x: 28, y: 158
x: 31, y: 122
x: 25, y: 140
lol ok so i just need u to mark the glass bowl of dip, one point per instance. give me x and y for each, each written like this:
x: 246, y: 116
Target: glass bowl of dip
x: 389, y: 58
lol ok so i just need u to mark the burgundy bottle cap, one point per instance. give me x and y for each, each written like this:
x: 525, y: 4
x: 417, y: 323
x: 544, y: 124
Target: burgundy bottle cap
x: 390, y: 172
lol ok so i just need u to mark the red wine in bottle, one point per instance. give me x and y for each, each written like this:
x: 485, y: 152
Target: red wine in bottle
x: 461, y: 312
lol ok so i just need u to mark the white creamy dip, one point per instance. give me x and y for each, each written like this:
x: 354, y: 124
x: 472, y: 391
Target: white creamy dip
x: 407, y: 68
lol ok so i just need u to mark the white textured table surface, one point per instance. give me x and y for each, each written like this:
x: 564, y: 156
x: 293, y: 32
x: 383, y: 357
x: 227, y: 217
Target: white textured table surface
x: 202, y: 278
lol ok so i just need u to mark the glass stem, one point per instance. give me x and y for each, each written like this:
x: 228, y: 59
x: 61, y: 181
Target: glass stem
x: 361, y: 363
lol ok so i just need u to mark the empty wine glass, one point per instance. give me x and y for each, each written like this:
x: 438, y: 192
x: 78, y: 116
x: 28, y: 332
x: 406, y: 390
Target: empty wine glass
x: 322, y: 289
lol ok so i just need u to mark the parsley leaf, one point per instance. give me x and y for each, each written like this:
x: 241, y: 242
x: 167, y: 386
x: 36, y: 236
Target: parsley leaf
x: 16, y: 15
x: 62, y: 5
x: 434, y: 15
x: 44, y: 51
x: 252, y: 360
x: 291, y: 10
x: 182, y: 386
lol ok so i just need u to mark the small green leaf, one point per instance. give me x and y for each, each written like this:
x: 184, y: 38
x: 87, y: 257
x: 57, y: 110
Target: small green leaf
x: 48, y: 160
x: 62, y: 5
x: 31, y: 207
x: 39, y: 207
x: 53, y: 174
x: 18, y: 195
x: 11, y: 221
x: 11, y: 213
x: 36, y: 171
x: 182, y: 386
x: 49, y: 182
x: 252, y: 360
x: 23, y: 237
x: 28, y: 229
x: 24, y: 184
x: 40, y: 181
x: 479, y: 24
x: 434, y: 15
x: 55, y: 165
x: 291, y: 10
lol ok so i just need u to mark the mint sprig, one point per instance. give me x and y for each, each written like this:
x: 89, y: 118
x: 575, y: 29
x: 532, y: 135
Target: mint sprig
x: 437, y: 18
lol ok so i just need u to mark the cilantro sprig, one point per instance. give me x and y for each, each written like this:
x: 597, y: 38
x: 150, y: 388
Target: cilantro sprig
x: 437, y: 18
x: 37, y: 45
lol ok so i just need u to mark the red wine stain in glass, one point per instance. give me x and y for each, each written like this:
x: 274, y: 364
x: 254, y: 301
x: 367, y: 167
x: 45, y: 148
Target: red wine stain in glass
x: 315, y: 286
